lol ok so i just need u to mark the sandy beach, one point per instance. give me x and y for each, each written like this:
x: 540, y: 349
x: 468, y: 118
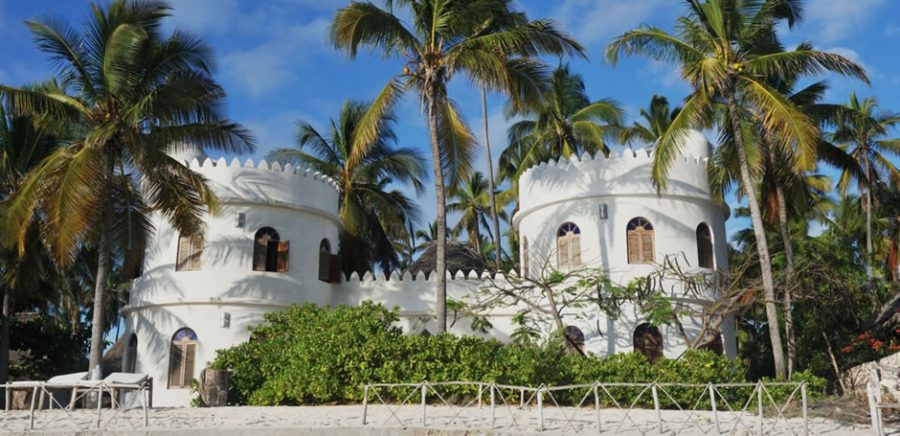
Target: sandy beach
x: 407, y: 420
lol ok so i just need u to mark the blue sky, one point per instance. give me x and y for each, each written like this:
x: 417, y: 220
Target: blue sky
x: 277, y: 65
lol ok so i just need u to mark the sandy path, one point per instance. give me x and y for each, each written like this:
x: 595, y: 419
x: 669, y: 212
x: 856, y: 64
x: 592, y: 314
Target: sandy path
x: 340, y: 420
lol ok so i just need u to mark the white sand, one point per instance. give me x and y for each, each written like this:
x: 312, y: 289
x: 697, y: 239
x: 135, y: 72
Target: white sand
x: 341, y: 420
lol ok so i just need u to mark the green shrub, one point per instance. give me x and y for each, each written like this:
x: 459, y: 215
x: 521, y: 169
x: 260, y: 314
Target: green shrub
x: 313, y: 355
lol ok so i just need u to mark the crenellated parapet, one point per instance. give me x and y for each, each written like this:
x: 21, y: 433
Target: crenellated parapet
x: 269, y: 184
x: 420, y: 276
x: 628, y: 174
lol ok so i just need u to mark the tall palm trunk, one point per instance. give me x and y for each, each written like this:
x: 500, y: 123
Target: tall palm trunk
x: 4, y: 339
x: 765, y: 264
x: 100, y: 287
x: 788, y: 279
x: 789, y: 265
x: 490, y: 178
x: 869, y: 184
x: 441, y: 218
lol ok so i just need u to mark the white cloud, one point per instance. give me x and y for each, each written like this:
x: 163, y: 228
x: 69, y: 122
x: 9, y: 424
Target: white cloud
x: 593, y: 21
x: 206, y: 16
x: 892, y: 30
x: 278, y: 131
x: 274, y: 63
x: 834, y: 20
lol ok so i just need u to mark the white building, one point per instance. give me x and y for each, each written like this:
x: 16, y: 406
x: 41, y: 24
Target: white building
x: 271, y: 247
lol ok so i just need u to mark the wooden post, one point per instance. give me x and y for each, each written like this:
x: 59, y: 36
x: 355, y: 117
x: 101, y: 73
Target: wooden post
x: 656, y: 406
x: 214, y: 386
x: 597, y: 408
x: 365, y: 403
x: 33, y: 396
x: 805, y: 414
x: 424, y: 392
x: 540, y: 404
x: 480, y: 392
x: 715, y: 411
x: 493, y: 404
x: 759, y: 400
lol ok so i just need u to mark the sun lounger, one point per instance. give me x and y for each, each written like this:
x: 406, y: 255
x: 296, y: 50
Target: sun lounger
x: 37, y: 387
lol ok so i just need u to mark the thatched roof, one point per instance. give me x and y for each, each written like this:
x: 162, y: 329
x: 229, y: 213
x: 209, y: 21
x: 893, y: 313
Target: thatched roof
x: 460, y: 256
x: 112, y: 359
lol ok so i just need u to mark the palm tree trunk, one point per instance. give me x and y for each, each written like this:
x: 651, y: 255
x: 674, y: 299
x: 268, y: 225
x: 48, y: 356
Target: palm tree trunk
x: 100, y: 287
x: 4, y: 339
x: 490, y: 178
x: 788, y: 279
x: 441, y: 212
x: 869, y: 184
x: 765, y: 264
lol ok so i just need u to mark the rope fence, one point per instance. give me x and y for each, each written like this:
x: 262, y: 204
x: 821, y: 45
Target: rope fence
x: 678, y: 408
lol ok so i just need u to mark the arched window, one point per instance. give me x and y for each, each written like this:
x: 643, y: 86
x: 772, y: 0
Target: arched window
x: 525, y: 259
x: 325, y: 260
x: 704, y: 247
x: 190, y: 250
x: 269, y: 252
x: 568, y: 246
x: 182, y: 356
x: 640, y: 241
x: 574, y: 340
x: 130, y: 361
x: 648, y: 341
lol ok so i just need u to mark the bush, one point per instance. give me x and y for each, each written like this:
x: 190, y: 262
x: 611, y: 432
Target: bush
x: 313, y: 355
x: 41, y: 348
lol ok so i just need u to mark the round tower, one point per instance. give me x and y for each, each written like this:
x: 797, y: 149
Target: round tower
x: 271, y: 244
x: 606, y: 213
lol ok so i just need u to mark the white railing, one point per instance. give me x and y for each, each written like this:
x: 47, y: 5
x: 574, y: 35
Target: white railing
x: 607, y: 407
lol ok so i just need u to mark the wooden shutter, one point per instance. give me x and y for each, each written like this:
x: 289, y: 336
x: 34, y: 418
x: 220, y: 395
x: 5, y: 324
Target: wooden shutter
x: 183, y: 256
x: 334, y: 272
x: 634, y: 247
x: 196, y: 252
x: 283, y: 256
x: 190, y: 350
x: 176, y: 363
x: 647, y: 246
x: 324, y: 266
x: 562, y: 251
x: 575, y: 250
x: 260, y: 249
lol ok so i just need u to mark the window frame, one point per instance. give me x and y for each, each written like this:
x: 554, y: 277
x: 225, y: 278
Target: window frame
x: 568, y: 246
x: 183, y: 355
x: 639, y: 233
x: 189, y: 253
x: 707, y: 243
x: 270, y: 253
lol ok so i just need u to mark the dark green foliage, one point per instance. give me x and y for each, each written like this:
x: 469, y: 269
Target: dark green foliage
x: 44, y: 348
x: 314, y: 355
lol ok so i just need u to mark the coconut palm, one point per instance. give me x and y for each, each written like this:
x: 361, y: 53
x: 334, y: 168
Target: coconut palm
x: 445, y: 39
x: 727, y: 49
x: 863, y: 132
x: 374, y: 215
x: 657, y: 118
x: 133, y: 95
x: 24, y: 142
x: 564, y: 122
x: 472, y: 202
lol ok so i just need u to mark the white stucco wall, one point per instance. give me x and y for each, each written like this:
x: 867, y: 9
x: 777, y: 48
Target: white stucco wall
x: 302, y: 206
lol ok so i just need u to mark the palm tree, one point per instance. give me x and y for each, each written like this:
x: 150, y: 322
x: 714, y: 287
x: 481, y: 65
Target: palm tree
x: 564, y: 122
x: 133, y: 95
x: 445, y: 39
x: 374, y: 216
x: 657, y: 119
x: 473, y: 203
x: 863, y: 131
x: 727, y: 49
x: 24, y: 142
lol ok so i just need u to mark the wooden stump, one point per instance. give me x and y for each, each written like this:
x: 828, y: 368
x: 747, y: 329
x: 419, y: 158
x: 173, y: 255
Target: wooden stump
x: 214, y: 386
x: 21, y: 399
